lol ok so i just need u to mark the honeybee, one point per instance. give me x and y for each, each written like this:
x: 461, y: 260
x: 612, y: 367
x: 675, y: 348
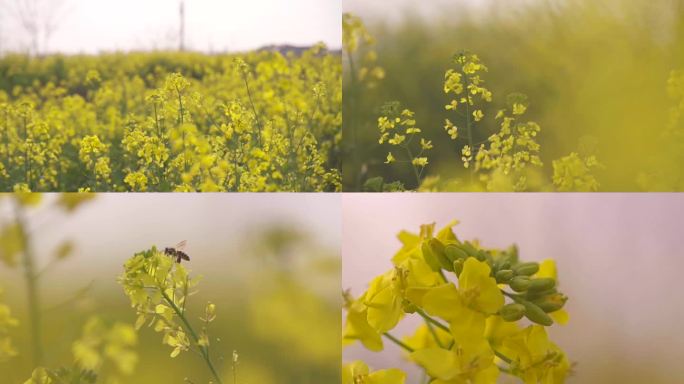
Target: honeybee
x: 177, y: 252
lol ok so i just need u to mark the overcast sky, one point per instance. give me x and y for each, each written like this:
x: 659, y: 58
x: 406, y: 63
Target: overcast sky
x: 211, y: 25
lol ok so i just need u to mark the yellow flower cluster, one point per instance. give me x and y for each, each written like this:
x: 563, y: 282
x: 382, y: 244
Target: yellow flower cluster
x: 469, y: 332
x: 399, y: 129
x: 260, y: 121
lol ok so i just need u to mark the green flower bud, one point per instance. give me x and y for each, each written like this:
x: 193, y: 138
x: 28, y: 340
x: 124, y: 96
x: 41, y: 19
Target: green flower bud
x: 504, y: 276
x: 542, y: 284
x: 536, y: 314
x: 526, y: 269
x: 551, y: 303
x: 469, y: 249
x: 481, y: 255
x: 512, y: 252
x: 520, y: 283
x: 453, y: 252
x: 535, y: 295
x: 512, y: 312
x: 438, y: 251
x: 430, y: 257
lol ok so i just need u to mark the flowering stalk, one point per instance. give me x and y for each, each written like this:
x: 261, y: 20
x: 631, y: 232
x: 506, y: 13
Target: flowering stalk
x: 158, y: 288
x: 470, y: 332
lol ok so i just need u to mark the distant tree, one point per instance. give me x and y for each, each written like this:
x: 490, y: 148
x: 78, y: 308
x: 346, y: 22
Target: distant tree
x: 37, y: 19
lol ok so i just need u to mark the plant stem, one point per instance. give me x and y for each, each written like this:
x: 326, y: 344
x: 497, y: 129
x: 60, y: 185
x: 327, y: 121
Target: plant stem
x: 502, y: 356
x: 203, y: 350
x: 256, y: 115
x: 398, y: 342
x: 32, y: 288
x: 433, y: 321
x: 468, y: 123
x: 434, y: 334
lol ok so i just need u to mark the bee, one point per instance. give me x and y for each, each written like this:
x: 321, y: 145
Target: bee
x: 177, y: 252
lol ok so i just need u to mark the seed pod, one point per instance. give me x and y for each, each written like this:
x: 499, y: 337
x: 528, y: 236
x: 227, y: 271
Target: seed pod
x: 542, y: 284
x: 526, y: 269
x: 437, y: 249
x: 551, y: 303
x: 536, y: 314
x: 504, y: 276
x: 453, y: 252
x: 512, y: 312
x: 519, y: 283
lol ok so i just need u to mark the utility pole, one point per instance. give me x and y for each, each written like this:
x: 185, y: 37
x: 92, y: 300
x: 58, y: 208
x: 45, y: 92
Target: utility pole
x: 182, y: 26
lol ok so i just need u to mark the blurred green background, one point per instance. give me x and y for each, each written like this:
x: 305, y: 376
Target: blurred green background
x: 594, y: 71
x: 271, y: 265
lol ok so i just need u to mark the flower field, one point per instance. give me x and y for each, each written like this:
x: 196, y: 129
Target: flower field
x: 258, y: 121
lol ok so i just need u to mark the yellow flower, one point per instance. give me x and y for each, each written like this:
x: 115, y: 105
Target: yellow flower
x: 477, y: 291
x: 535, y: 358
x: 451, y: 129
x: 357, y: 372
x: 358, y: 329
x: 420, y: 161
x: 390, y: 158
x: 470, y: 360
x: 478, y: 115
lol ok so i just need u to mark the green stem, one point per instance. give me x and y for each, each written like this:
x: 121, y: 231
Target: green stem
x: 251, y: 103
x: 433, y: 321
x: 468, y: 124
x: 398, y: 342
x: 502, y: 356
x: 434, y: 334
x: 32, y: 288
x: 203, y: 350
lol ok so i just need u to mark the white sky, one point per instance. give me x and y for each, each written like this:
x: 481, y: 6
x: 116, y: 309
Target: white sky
x: 211, y: 25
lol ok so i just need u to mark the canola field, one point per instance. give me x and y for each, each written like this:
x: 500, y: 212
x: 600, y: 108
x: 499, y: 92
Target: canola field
x: 258, y: 121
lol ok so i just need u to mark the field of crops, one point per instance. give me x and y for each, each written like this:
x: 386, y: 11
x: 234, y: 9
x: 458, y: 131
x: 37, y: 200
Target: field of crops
x: 259, y: 121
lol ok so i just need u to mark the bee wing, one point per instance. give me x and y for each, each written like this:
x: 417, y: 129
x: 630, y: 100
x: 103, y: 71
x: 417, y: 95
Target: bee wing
x: 181, y: 246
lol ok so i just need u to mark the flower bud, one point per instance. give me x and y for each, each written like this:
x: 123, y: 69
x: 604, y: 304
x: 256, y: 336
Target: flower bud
x: 504, y: 276
x: 551, y: 303
x: 536, y: 295
x: 438, y: 251
x: 453, y: 252
x: 512, y: 312
x: 526, y: 269
x: 542, y: 284
x: 481, y: 255
x: 430, y: 257
x: 536, y: 314
x: 519, y: 283
x: 469, y: 249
